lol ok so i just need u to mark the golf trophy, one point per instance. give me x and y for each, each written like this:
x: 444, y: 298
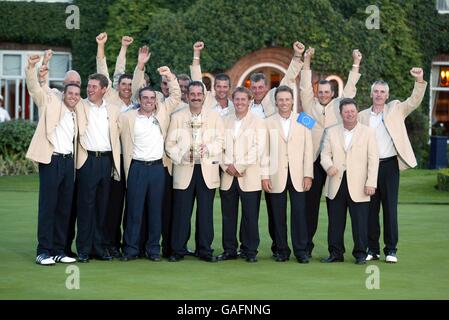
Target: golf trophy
x: 196, y: 125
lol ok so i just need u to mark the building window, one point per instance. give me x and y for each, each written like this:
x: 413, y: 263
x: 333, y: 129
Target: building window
x: 439, y: 97
x: 443, y: 6
x: 17, y: 100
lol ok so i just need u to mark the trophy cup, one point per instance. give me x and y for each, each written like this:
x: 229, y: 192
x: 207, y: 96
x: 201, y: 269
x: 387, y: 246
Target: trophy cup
x: 196, y: 125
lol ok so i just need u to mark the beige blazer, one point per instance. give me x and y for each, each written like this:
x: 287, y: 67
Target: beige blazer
x: 294, y: 152
x: 244, y: 151
x: 269, y: 101
x: 395, y: 113
x: 51, y: 111
x: 361, y: 161
x: 82, y: 114
x: 179, y: 140
x: 162, y: 115
x: 325, y: 116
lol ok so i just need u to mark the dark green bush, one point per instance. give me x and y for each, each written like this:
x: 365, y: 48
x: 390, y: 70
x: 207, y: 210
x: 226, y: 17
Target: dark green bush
x: 443, y: 180
x: 15, y: 137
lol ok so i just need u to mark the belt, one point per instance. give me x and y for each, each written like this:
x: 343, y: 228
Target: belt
x: 148, y: 163
x: 98, y: 154
x: 387, y: 159
x: 62, y: 155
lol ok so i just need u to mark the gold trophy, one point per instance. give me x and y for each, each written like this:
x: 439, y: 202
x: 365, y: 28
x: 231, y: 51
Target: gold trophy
x: 196, y: 125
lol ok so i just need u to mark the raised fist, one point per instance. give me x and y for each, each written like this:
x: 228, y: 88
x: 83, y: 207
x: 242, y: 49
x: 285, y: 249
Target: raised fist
x: 309, y: 53
x: 33, y: 59
x: 47, y: 56
x: 126, y: 41
x: 417, y: 73
x: 356, y: 56
x: 198, y: 46
x: 165, y: 71
x: 299, y: 48
x: 102, y: 38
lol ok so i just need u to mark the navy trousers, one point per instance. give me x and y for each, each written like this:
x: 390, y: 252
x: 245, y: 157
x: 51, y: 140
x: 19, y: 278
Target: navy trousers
x: 249, y: 226
x: 56, y: 183
x: 182, y: 214
x: 94, y: 181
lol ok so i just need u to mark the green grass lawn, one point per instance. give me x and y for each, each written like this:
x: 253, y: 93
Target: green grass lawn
x: 422, y: 271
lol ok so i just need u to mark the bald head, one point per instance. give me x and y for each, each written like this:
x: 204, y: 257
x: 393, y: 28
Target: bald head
x: 73, y: 77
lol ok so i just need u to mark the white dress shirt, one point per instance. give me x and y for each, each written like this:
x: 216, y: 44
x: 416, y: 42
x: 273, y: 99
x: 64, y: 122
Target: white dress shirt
x: 257, y: 109
x: 148, y: 139
x: 385, y: 144
x: 285, y: 123
x: 348, y: 134
x: 97, y: 133
x: 62, y: 137
x: 237, y: 125
x: 223, y: 111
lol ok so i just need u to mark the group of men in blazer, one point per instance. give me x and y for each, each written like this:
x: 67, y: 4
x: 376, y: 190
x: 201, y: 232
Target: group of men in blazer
x: 177, y: 146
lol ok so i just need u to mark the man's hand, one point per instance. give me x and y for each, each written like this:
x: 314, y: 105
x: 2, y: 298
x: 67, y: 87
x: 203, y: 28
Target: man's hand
x: 299, y: 48
x: 143, y: 57
x: 307, y: 183
x: 198, y: 46
x: 102, y: 38
x: 332, y: 171
x: 370, y: 191
x: 266, y: 185
x: 309, y: 53
x: 204, y: 151
x: 233, y: 171
x: 32, y: 60
x: 165, y: 71
x: 43, y: 72
x: 187, y: 157
x: 47, y: 57
x: 418, y: 74
x: 356, y: 56
x: 126, y: 41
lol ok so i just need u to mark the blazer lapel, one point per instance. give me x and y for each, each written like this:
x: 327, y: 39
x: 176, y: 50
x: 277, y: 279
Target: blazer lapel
x: 279, y: 127
x: 355, y: 136
x: 246, y: 122
x: 131, y: 122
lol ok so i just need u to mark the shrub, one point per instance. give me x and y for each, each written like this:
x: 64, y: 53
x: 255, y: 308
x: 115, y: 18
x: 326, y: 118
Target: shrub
x: 443, y: 180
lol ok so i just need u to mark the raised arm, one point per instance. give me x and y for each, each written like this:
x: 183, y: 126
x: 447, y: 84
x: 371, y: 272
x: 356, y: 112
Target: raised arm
x: 43, y: 71
x: 195, y: 68
x: 295, y: 65
x: 120, y: 63
x: 174, y: 98
x: 305, y: 84
x: 413, y: 102
x: 350, y: 89
x: 139, y: 73
x: 102, y: 66
x: 36, y: 91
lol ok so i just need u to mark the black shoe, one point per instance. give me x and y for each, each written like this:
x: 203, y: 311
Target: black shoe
x: 281, y: 258
x: 126, y: 257
x: 191, y: 253
x: 251, y: 259
x: 103, y: 257
x: 175, y: 258
x: 360, y: 261
x: 154, y: 257
x: 303, y: 259
x: 209, y: 258
x: 275, y: 255
x: 241, y: 254
x: 226, y: 256
x: 83, y: 258
x: 309, y: 255
x: 71, y: 254
x: 331, y: 259
x: 114, y: 252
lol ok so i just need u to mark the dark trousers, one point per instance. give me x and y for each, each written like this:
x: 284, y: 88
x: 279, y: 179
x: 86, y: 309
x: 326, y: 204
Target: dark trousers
x: 182, y: 213
x: 56, y: 182
x: 313, y: 198
x: 94, y: 181
x: 387, y: 194
x: 113, y: 223
x: 249, y: 226
x: 71, y: 227
x: 358, y: 211
x: 146, y: 185
x: 271, y: 227
x: 298, y: 220
x: 167, y: 215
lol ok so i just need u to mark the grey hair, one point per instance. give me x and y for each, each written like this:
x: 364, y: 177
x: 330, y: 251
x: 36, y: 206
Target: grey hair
x: 380, y: 82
